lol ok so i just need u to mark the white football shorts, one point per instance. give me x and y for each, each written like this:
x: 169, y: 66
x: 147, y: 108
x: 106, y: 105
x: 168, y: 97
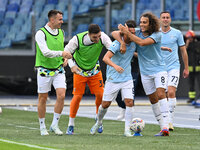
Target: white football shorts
x: 152, y: 82
x: 111, y: 90
x: 44, y: 83
x: 173, y: 77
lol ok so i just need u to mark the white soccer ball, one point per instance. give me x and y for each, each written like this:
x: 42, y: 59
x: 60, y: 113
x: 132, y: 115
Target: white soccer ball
x: 0, y: 110
x: 137, y: 125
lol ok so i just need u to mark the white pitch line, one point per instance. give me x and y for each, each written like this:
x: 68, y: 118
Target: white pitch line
x: 28, y: 145
x: 19, y: 126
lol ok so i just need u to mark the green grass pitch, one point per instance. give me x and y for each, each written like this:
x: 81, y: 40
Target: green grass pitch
x: 19, y: 130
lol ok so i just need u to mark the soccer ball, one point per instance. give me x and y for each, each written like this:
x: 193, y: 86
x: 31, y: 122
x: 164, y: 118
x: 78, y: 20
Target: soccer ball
x: 137, y: 125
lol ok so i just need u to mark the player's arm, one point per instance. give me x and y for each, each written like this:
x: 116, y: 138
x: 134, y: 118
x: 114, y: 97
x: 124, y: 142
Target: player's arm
x: 107, y: 59
x: 71, y: 47
x: 185, y: 61
x: 117, y: 36
x: 166, y: 49
x: 134, y: 38
x: 40, y: 39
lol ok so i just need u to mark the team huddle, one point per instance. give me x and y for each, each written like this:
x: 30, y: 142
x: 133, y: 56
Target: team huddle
x: 157, y: 48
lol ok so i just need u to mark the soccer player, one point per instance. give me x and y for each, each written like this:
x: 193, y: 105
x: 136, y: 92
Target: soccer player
x: 50, y: 71
x: 118, y: 77
x: 135, y: 75
x: 86, y: 47
x: 152, y: 66
x: 173, y: 39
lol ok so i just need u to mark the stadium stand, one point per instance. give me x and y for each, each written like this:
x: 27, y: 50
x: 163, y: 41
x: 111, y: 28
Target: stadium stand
x: 15, y: 13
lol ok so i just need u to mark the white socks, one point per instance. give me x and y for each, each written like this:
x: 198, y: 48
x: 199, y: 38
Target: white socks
x: 42, y: 123
x: 157, y: 114
x: 128, y: 117
x: 56, y: 118
x: 71, y: 121
x: 101, y: 114
x: 164, y: 108
x: 172, y: 105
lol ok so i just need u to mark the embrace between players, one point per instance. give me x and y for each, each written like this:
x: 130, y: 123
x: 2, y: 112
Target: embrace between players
x: 86, y: 48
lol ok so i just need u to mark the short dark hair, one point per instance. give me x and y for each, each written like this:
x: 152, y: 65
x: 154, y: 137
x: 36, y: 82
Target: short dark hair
x: 131, y: 23
x: 54, y: 12
x: 164, y: 12
x: 94, y: 28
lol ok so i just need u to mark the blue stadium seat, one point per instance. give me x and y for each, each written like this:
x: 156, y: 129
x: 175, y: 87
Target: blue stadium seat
x: 98, y: 3
x: 3, y: 7
x: 10, y: 35
x: 115, y: 17
x: 62, y: 6
x: 25, y: 7
x: 4, y: 28
x: 15, y: 2
x: 65, y: 16
x: 52, y: 1
x: 2, y: 13
x: 5, y: 43
x: 83, y: 8
x: 1, y: 36
x: 15, y: 28
x: 88, y: 2
x: 21, y: 36
x: 81, y: 28
x: 2, y: 31
x: 98, y: 20
x: 8, y: 21
x: 63, y: 1
x: 27, y: 2
x: 76, y: 2
x: 3, y: 2
x: 127, y: 6
x: 13, y: 7
x: 10, y: 14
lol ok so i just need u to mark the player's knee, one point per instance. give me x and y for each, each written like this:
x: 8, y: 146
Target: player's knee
x: 61, y: 96
x: 171, y: 94
x: 99, y: 95
x: 161, y: 96
x: 129, y: 102
x: 77, y: 98
x: 105, y: 104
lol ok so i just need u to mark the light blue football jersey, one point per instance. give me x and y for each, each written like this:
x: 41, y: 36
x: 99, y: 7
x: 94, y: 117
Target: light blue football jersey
x: 122, y: 60
x: 150, y: 57
x: 172, y: 39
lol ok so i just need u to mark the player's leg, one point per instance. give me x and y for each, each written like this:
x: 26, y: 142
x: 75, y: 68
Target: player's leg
x: 161, y: 85
x: 79, y: 83
x: 42, y: 97
x: 44, y: 86
x: 122, y: 105
x: 150, y: 90
x: 59, y: 83
x: 173, y: 80
x: 96, y: 87
x: 127, y: 95
x: 110, y: 94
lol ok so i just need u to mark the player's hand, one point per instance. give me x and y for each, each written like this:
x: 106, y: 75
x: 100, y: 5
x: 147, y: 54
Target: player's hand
x: 185, y: 73
x: 65, y: 62
x: 123, y: 29
x: 123, y: 48
x: 75, y: 69
x: 119, y: 69
x: 66, y: 55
